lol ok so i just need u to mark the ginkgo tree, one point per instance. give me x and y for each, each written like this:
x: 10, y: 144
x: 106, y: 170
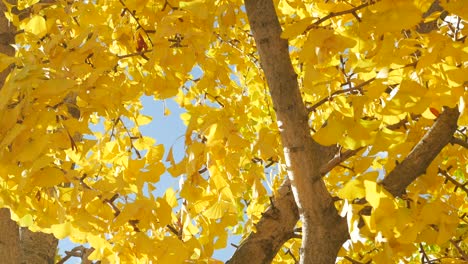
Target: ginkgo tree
x: 320, y: 131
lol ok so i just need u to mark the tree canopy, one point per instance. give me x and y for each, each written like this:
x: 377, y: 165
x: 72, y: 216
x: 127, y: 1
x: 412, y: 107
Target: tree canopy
x: 339, y: 122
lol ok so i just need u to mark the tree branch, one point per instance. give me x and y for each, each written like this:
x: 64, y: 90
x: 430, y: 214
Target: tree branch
x: 459, y: 141
x: 340, y: 13
x: 277, y: 223
x: 272, y: 231
x: 423, y: 153
x: 337, y: 160
x: 458, y: 185
x: 304, y: 157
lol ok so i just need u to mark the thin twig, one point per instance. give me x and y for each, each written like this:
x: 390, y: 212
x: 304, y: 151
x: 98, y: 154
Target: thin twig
x: 457, y: 184
x: 352, y: 89
x: 352, y: 260
x: 424, y: 256
x: 335, y: 93
x: 463, y: 254
x: 351, y: 11
x: 137, y: 21
x: 141, y: 53
x: 289, y: 252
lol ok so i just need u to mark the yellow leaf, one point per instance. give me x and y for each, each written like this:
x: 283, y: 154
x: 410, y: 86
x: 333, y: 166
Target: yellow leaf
x: 164, y: 212
x: 285, y: 8
x: 458, y: 7
x: 55, y: 87
x: 23, y: 4
x: 99, y: 244
x: 217, y: 210
x: 375, y: 193
x: 331, y: 132
x: 353, y: 189
x: 197, y: 7
x: 391, y: 16
x: 170, y: 197
x: 6, y: 61
x: 48, y: 177
x: 142, y: 120
x: 37, y: 26
x: 215, y: 135
x: 144, y: 142
x: 35, y: 148
x: 61, y: 231
x: 293, y: 30
x: 26, y: 220
x: 267, y: 144
x: 11, y: 135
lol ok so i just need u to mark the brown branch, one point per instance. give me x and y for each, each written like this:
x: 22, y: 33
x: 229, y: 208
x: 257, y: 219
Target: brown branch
x: 272, y: 231
x: 352, y: 260
x: 403, y: 122
x: 335, y: 93
x: 417, y: 161
x: 137, y: 20
x: 78, y: 252
x: 289, y: 252
x: 424, y: 257
x: 338, y: 159
x: 277, y: 223
x: 463, y: 254
x: 141, y: 53
x: 352, y: 89
x: 457, y: 184
x: 351, y: 11
x: 458, y: 141
x: 132, y: 146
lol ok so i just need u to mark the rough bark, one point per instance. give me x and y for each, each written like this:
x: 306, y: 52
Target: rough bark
x: 9, y: 239
x: 15, y: 246
x: 38, y: 248
x: 417, y: 161
x: 273, y: 230
x: 324, y: 231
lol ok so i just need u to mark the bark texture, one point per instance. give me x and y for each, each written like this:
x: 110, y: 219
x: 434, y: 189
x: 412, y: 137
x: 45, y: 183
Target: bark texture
x: 273, y: 230
x: 9, y: 239
x: 324, y: 231
x: 37, y: 247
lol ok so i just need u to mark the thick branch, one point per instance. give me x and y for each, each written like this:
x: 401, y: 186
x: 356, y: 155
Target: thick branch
x: 423, y: 153
x: 459, y: 141
x: 273, y: 230
x: 277, y: 223
x: 303, y: 156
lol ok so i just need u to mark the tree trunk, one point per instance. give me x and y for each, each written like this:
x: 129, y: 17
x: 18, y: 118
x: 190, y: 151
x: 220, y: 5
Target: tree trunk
x: 37, y: 248
x: 324, y: 231
x: 26, y: 247
x: 282, y: 82
x: 9, y: 238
